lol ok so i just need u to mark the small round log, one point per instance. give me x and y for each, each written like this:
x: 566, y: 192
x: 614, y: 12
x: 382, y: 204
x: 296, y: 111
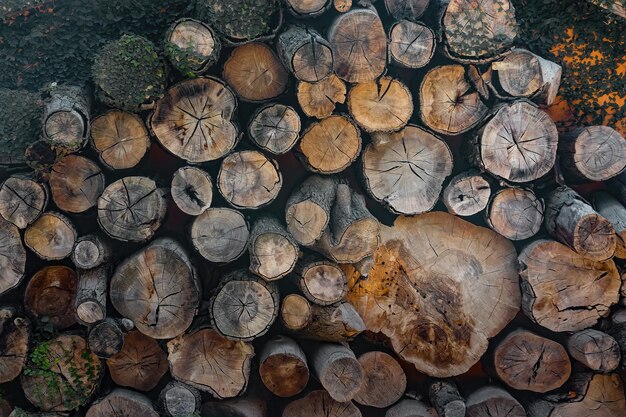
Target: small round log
x: 66, y: 117
x: 411, y: 44
x: 15, y: 336
x: 406, y: 173
x: 406, y: 9
x: 106, y: 338
x: 307, y: 8
x: 132, y: 209
x: 255, y: 73
x: 564, y: 291
x: 411, y: 408
x: 518, y: 144
x: 275, y: 128
x: 210, y: 362
x: 337, y: 369
x: 283, y: 367
x: 330, y: 145
x: 22, y: 200
x: 320, y: 404
x: 91, y: 251
x: 91, y: 294
x: 526, y: 361
x: 12, y: 257
x: 493, y: 401
x: 220, y: 235
x: 572, y: 221
x: 594, y: 153
x: 140, y: 364
x: 444, y: 396
x: 51, y: 292
x: 305, y: 53
x: 76, y: 183
x: 51, y: 236
x: 612, y: 210
x: 467, y: 193
x: 192, y: 190
x: 194, y: 121
x: 342, y: 6
x: 120, y: 138
x: 157, y: 288
x: 596, y: 350
x: 515, y: 213
x: 448, y: 104
x: 359, y: 45
x: 244, y: 306
x: 122, y: 402
x: 191, y: 46
x: 321, y: 281
x: 249, y: 179
x: 179, y: 400
x: 273, y: 252
x: 384, y: 380
x: 320, y: 99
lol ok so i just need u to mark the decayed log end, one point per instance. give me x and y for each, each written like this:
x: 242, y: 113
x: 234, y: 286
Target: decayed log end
x: 122, y: 402
x: 191, y: 46
x: 192, y: 190
x: 320, y: 404
x: 467, y: 193
x: 15, y: 337
x: 283, y: 367
x: 320, y: 99
x: 12, y: 257
x: 220, y: 234
x: 424, y: 291
x: 411, y: 44
x: 22, y: 200
x: 51, y: 292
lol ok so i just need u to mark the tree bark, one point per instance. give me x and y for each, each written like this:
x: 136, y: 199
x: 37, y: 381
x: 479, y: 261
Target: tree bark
x: 192, y: 190
x: 444, y: 396
x: 411, y: 44
x: 275, y: 128
x: 596, y: 350
x: 493, y: 401
x: 467, y: 193
x: 122, y: 402
x: 249, y: 179
x: 15, y: 336
x: 273, y: 252
x: 307, y: 8
x: 320, y: 404
x: 51, y: 292
x: 320, y: 99
x: 406, y: 9
x: 66, y: 117
x: 220, y: 235
x: 411, y: 408
x: 283, y: 367
x: 51, y: 236
x: 12, y: 257
x: 91, y: 251
x: 243, y: 306
x: 106, y: 338
x: 179, y: 400
x: 322, y: 282
x: 305, y: 53
x: 22, y: 200
x: 384, y: 380
x: 515, y: 213
x: 337, y: 369
x: 612, y: 210
x: 192, y: 47
x: 91, y: 294
x: 76, y: 183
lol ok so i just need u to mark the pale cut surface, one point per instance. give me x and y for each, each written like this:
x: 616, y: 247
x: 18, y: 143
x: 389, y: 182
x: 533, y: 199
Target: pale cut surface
x: 411, y: 44
x: 220, y: 234
x: 12, y: 257
x: 192, y: 190
x: 275, y: 128
x: 516, y: 213
x: 22, y: 200
x: 320, y: 99
x: 51, y: 236
x: 599, y: 153
x: 120, y: 138
x: 305, y: 7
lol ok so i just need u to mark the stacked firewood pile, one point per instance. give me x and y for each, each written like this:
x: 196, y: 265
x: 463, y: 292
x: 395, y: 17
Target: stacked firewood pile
x: 316, y: 208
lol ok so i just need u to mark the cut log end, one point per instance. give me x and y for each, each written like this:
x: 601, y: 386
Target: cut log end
x: 515, y: 213
x: 273, y: 252
x: 192, y: 46
x: 275, y: 128
x: 51, y: 236
x: 467, y: 194
x: 51, y: 292
x: 384, y: 381
x: 320, y: 99
x: 220, y: 234
x: 192, y: 190
x: 283, y: 367
x: 411, y: 45
x: 22, y: 200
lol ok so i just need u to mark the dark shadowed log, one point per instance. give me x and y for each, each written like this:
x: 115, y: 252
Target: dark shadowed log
x: 563, y: 291
x: 244, y: 306
x: 91, y: 294
x: 255, y: 73
x: 66, y: 117
x: 615, y: 212
x: 330, y: 145
x: 594, y: 153
x: 384, y: 380
x: 91, y: 251
x: 122, y: 402
x: 617, y: 330
x: 275, y: 128
x: 337, y: 323
x: 596, y: 350
x: 411, y: 44
x: 320, y: 99
x: 320, y: 404
x: 515, y: 213
x: 75, y: 184
x: 307, y: 8
x: 249, y: 179
x: 308, y: 209
x: 305, y: 53
x: 437, y: 298
x: 273, y: 252
x: 572, y: 221
x: 448, y: 104
x: 18, y: 412
x: 157, y: 288
x: 493, y: 401
x: 518, y: 143
x: 352, y: 233
x: 411, y: 408
x: 406, y: 9
x: 321, y: 281
x: 526, y: 361
x: 406, y: 173
x: 444, y: 396
x: 120, y: 138
x: 132, y: 209
x: 209, y: 362
x: 482, y: 82
x: 191, y: 46
x: 467, y: 193
x: 6, y: 410
x: 192, y: 190
x: 359, y: 45
x: 15, y: 335
x: 61, y: 374
x: 51, y: 292
x: 238, y: 407
x: 12, y: 257
x: 220, y: 234
x: 51, y: 236
x: 22, y: 200
x: 106, y: 338
x: 194, y: 120
x: 140, y: 364
x: 179, y: 400
x: 337, y: 369
x: 283, y: 367
x: 41, y: 155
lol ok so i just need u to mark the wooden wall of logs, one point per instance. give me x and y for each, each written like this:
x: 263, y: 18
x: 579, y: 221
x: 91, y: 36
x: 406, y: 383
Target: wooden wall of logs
x: 365, y: 213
